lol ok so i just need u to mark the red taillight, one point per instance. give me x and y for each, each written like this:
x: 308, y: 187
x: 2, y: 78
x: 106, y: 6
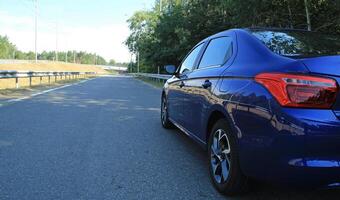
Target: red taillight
x: 300, y: 90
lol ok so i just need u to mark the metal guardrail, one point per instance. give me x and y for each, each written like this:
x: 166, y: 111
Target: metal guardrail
x: 162, y: 77
x: 30, y: 74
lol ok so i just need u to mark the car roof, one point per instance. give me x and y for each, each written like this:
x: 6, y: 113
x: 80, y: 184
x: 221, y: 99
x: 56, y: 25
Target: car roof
x: 251, y: 29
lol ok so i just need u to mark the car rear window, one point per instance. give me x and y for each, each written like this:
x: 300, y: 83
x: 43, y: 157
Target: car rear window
x: 299, y: 44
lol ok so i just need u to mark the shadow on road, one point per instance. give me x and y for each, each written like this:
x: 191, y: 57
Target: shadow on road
x: 258, y: 190
x: 104, y: 140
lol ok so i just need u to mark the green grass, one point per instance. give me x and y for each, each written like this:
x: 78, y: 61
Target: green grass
x: 112, y: 72
x: 158, y: 84
x: 26, y: 90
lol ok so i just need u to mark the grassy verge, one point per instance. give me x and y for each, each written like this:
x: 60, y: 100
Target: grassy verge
x: 11, y: 93
x: 44, y: 66
x: 158, y: 84
x: 52, y: 66
x: 9, y: 83
x: 112, y: 72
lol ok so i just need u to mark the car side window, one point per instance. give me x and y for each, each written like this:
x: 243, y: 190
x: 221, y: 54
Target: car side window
x: 217, y: 53
x: 189, y: 62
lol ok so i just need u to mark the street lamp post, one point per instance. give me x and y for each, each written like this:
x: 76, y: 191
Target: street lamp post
x: 36, y: 30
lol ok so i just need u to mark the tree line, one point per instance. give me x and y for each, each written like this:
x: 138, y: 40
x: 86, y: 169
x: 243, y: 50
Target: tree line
x: 164, y: 34
x: 10, y: 51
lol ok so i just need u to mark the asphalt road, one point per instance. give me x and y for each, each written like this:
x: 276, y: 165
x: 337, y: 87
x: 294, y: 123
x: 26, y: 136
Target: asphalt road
x: 102, y: 139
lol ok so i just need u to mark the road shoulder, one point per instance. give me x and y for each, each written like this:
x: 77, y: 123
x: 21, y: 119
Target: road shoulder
x: 8, y: 96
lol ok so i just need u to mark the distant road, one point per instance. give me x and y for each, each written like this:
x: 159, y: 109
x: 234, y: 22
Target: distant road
x: 102, y: 139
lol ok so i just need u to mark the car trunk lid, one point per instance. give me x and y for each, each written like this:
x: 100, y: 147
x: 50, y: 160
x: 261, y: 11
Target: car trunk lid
x: 327, y: 65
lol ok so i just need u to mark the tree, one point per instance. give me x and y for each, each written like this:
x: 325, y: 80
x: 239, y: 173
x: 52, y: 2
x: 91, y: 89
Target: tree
x: 308, y: 15
x: 112, y: 62
x: 164, y: 36
x: 7, y: 49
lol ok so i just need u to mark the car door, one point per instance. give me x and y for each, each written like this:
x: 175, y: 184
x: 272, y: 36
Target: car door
x: 201, y: 82
x: 176, y: 94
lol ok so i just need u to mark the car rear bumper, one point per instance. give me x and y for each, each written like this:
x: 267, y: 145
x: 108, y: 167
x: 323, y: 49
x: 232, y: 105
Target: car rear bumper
x: 303, y: 148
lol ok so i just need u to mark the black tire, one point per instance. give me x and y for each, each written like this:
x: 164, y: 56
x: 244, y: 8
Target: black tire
x: 166, y: 123
x: 224, y: 167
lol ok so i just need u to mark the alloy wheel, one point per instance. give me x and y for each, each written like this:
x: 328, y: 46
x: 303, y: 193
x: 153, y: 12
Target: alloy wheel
x: 164, y: 111
x: 220, y: 156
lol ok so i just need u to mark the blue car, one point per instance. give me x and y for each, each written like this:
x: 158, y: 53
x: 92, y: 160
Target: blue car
x: 265, y: 103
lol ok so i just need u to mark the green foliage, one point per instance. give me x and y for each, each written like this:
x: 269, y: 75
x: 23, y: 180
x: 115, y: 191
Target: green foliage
x: 164, y: 36
x: 9, y: 51
x: 73, y: 56
x: 112, y: 62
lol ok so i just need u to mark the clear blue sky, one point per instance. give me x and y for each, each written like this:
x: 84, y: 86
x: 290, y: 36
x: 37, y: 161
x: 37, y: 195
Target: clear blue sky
x: 80, y: 22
